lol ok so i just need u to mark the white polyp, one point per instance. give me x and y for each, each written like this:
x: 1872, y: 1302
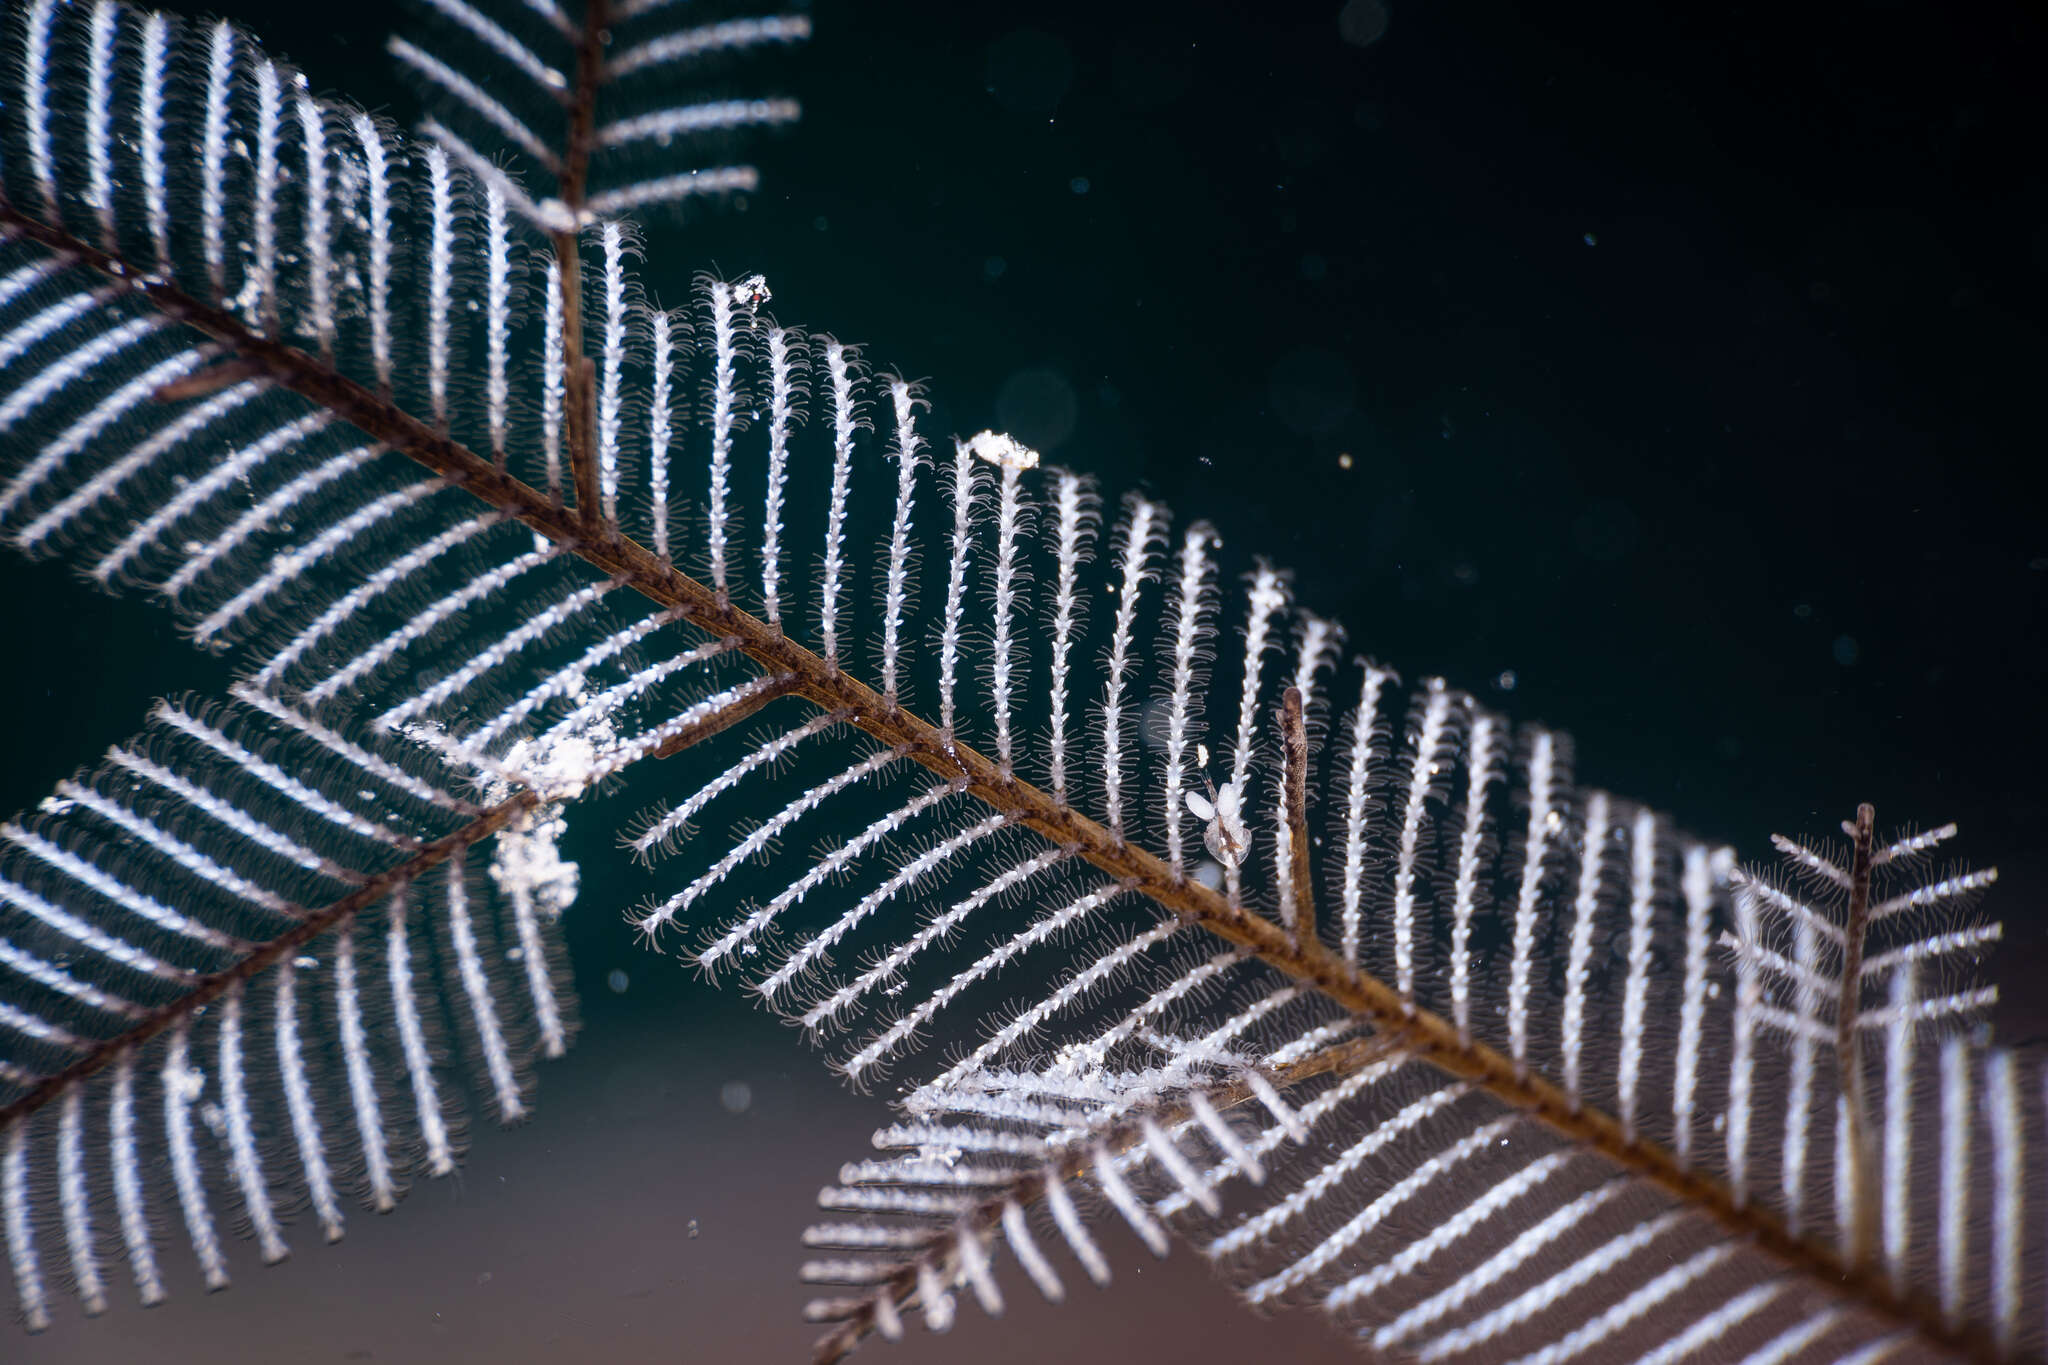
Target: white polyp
x: 472, y: 97
x: 83, y: 432
x: 57, y: 375
x: 440, y: 278
x: 613, y: 757
x: 1146, y: 525
x: 1017, y: 1232
x: 78, y: 930
x: 1545, y: 819
x: 671, y: 189
x: 1642, y: 905
x: 1002, y: 662
x: 145, y: 831
x: 274, y: 777
x: 964, y: 478
x: 1175, y: 1163
x: 1897, y: 1180
x: 1579, y: 954
x: 1952, y: 1235
x: 553, y: 388
x: 35, y: 103
x: 1434, y: 741
x: 377, y: 189
x: 260, y: 294
x: 1193, y: 604
x: 229, y: 471
x: 1067, y: 1219
x: 1074, y: 519
x: 1357, y: 798
x: 497, y: 318
x: 87, y: 874
x: 612, y: 378
x: 485, y: 585
x: 1934, y: 893
x: 125, y: 1166
x: 935, y: 930
x: 1608, y: 1256
x: 74, y: 1202
x: 412, y: 1038
x: 659, y: 427
x: 372, y: 587
x: 181, y: 1086
x: 1076, y: 989
x: 19, y: 1216
x: 688, y: 119
x: 245, y: 1164
x: 825, y: 869
x: 724, y: 402
x: 1120, y: 1196
x: 723, y: 36
x: 680, y: 816
x: 839, y: 368
x: 213, y: 155
x: 1482, y: 768
x: 975, y: 1268
x: 99, y: 118
x: 904, y: 878
x: 483, y: 1011
x: 1226, y: 1140
x: 298, y: 1095
x: 2008, y: 1179
x: 932, y: 1297
x: 1446, y: 1233
x: 263, y: 514
x: 1417, y: 1180
x: 1645, y: 1299
x: 52, y: 977
x: 656, y: 919
x: 315, y: 233
x: 364, y: 1102
x: 494, y: 36
x: 895, y: 594
x: 528, y: 632
x: 1742, y: 1053
x: 1303, y: 1200
x: 1697, y: 888
x: 1265, y: 598
x: 781, y: 412
x: 149, y: 134
x: 1470, y: 1287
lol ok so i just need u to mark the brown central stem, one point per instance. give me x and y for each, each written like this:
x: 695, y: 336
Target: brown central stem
x: 1419, y: 1033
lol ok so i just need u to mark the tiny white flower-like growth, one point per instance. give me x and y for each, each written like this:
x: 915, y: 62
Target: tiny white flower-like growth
x: 1222, y: 812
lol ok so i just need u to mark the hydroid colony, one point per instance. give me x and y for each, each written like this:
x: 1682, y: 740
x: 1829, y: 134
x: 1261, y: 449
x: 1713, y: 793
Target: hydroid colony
x: 241, y: 951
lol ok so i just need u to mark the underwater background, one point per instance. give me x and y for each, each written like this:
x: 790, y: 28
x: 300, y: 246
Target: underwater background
x: 1671, y: 375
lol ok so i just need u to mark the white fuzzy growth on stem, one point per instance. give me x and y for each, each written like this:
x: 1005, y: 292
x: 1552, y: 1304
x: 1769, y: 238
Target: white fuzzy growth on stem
x: 1433, y: 741
x: 213, y: 153
x: 497, y: 317
x: 1642, y: 905
x: 260, y: 290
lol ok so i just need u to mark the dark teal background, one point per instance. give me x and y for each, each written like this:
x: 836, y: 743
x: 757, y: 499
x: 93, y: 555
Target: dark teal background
x: 1689, y: 360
